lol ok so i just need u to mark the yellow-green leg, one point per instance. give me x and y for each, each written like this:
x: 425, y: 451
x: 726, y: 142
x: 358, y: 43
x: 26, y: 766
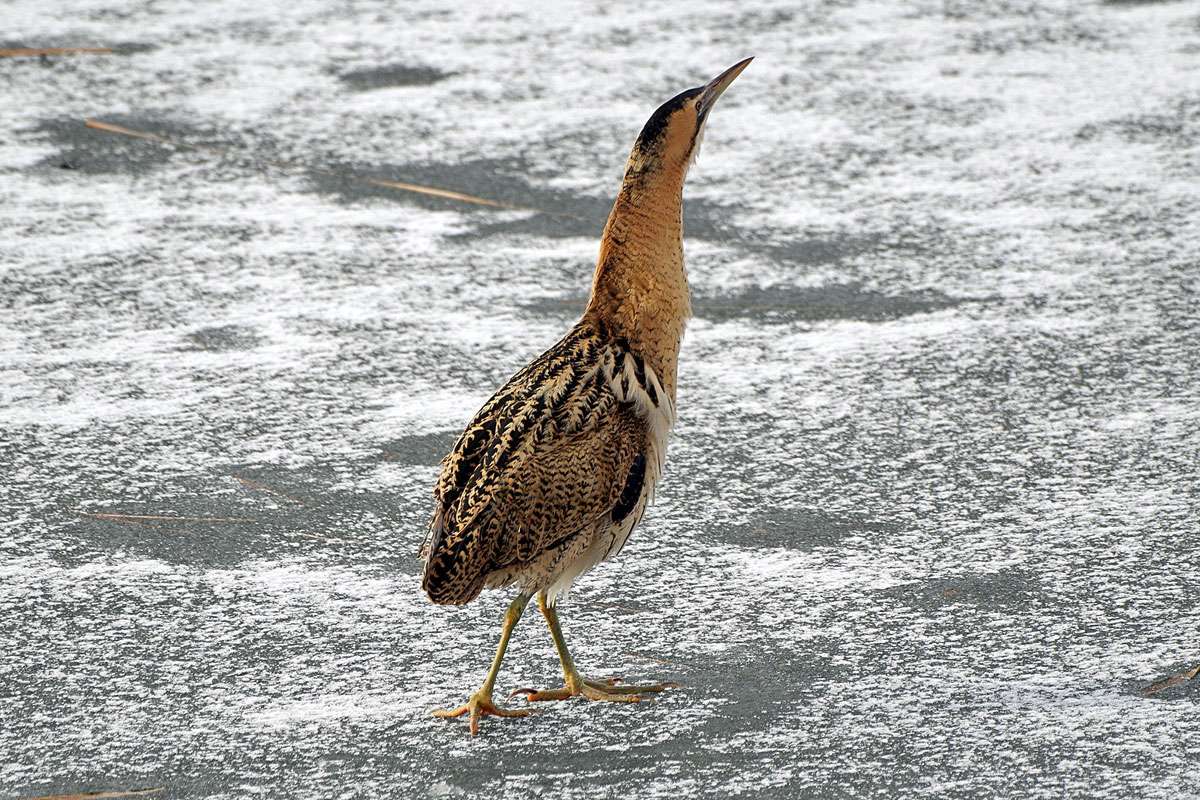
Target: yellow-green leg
x: 480, y: 704
x: 576, y: 685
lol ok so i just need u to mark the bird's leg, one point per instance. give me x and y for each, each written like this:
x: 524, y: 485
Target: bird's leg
x: 480, y: 704
x: 576, y: 685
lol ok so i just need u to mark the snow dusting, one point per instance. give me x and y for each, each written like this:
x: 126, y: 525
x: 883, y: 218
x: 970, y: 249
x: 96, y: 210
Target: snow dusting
x: 928, y: 526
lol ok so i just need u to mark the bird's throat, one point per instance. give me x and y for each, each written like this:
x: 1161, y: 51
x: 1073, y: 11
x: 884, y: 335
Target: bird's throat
x: 640, y: 289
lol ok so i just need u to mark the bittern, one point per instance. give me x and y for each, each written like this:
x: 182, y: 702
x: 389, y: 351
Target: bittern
x: 556, y: 469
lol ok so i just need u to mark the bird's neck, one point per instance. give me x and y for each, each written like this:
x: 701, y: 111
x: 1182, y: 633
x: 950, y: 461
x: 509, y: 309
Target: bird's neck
x: 640, y: 289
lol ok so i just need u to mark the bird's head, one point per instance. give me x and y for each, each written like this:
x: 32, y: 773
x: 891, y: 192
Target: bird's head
x: 670, y: 140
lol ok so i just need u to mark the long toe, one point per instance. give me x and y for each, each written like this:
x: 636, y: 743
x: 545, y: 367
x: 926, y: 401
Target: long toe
x: 607, y: 689
x: 610, y: 694
x: 611, y: 686
x: 542, y: 695
x: 450, y: 713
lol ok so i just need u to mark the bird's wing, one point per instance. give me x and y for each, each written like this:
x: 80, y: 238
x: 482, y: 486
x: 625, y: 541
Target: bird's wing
x: 547, y: 456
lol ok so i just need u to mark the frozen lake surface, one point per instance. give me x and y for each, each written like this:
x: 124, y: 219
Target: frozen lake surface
x: 929, y: 521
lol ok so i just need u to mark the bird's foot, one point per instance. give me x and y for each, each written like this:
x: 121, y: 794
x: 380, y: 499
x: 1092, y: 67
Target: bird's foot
x: 609, y: 689
x: 480, y: 705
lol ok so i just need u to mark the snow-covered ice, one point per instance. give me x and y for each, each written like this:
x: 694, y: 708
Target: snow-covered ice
x: 930, y: 517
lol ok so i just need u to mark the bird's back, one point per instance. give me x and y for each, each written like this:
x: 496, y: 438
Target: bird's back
x: 552, y: 456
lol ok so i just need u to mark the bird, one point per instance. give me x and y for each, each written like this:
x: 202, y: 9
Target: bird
x: 556, y: 469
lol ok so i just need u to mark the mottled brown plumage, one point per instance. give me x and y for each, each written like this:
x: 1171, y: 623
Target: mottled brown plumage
x: 556, y: 469
x: 534, y: 479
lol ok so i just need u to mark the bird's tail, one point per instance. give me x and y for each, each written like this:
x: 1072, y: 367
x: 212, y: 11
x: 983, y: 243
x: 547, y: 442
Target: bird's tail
x: 451, y: 575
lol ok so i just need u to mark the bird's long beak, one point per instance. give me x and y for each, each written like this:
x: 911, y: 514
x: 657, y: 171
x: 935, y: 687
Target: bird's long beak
x: 713, y: 89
